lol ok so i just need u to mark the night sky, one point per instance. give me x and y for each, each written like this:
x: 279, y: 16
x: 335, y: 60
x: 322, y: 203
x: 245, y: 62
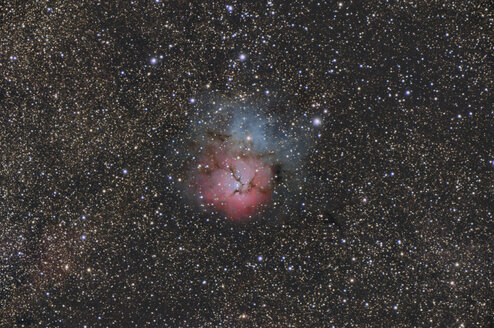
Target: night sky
x: 370, y: 125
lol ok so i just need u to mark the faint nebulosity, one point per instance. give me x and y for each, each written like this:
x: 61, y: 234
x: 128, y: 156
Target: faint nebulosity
x: 246, y: 164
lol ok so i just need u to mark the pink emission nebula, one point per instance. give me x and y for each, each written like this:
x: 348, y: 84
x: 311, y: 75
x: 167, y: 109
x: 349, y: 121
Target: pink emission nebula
x: 236, y: 183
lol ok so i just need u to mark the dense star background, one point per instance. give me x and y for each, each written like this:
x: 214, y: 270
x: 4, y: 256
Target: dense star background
x: 383, y: 221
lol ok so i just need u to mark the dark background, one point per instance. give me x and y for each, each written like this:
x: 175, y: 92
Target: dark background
x: 398, y: 178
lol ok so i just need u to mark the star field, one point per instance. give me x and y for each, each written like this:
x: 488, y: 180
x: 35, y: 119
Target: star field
x: 380, y: 115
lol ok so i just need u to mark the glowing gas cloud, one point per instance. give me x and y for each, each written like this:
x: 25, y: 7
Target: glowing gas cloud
x: 238, y: 159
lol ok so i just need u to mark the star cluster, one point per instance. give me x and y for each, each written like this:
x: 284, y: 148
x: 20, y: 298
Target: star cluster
x: 381, y: 207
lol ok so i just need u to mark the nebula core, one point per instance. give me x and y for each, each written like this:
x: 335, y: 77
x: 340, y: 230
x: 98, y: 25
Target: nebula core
x: 233, y: 179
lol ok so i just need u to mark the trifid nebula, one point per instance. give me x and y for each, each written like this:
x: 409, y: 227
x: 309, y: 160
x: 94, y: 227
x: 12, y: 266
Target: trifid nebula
x: 246, y: 163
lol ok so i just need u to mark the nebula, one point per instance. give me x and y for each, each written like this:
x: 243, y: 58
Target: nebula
x: 236, y: 162
x: 233, y: 179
